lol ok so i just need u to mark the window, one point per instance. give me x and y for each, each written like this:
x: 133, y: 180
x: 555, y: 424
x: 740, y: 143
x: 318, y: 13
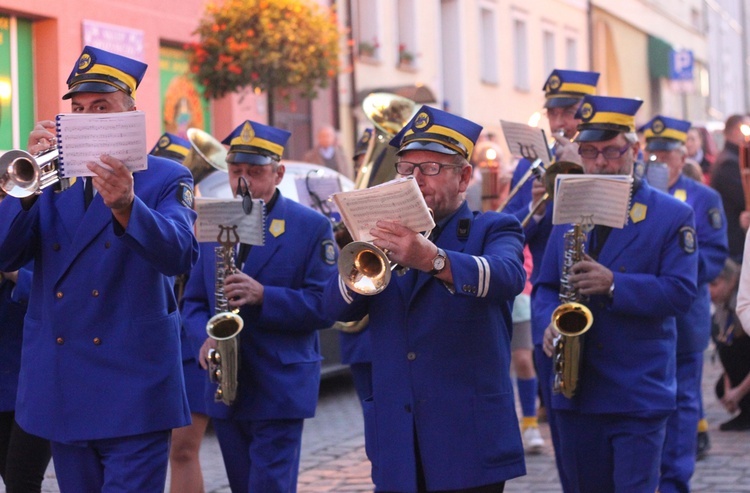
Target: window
x: 548, y: 47
x: 521, y: 55
x: 367, y: 22
x: 406, y: 54
x: 571, y: 53
x: 488, y: 46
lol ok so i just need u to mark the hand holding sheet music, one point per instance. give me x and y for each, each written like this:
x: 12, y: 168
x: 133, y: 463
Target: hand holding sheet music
x: 84, y: 137
x: 213, y: 213
x: 397, y: 200
x: 592, y: 199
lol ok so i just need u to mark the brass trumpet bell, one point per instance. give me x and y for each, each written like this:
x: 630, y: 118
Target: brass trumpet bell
x: 206, y: 154
x: 364, y: 268
x: 23, y: 175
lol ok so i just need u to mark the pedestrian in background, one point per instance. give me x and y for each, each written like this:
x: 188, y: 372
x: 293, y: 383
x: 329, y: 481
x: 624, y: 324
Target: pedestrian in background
x: 327, y: 152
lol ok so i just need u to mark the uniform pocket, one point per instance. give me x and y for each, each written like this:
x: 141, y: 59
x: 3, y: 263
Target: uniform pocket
x: 498, y: 436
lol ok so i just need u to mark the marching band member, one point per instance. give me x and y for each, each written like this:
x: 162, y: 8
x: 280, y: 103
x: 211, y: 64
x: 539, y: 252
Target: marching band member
x: 441, y: 416
x: 277, y: 288
x: 101, y: 375
x: 636, y: 280
x: 665, y: 143
x: 185, y: 475
x: 563, y: 91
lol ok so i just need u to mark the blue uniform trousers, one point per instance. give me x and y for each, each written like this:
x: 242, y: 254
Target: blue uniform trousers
x: 678, y: 458
x: 261, y: 455
x: 544, y: 373
x: 595, y: 443
x: 113, y: 465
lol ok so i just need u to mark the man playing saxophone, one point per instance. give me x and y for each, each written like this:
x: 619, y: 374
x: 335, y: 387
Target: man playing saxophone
x: 636, y: 280
x: 277, y: 289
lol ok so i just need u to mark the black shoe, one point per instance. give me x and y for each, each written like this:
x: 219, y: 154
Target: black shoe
x: 702, y: 445
x: 740, y: 422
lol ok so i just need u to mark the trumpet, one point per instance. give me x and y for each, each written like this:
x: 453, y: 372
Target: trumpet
x: 549, y: 175
x: 23, y: 175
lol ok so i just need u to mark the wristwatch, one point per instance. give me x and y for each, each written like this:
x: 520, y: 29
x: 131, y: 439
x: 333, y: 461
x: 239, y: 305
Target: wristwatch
x: 611, y: 292
x: 438, y: 263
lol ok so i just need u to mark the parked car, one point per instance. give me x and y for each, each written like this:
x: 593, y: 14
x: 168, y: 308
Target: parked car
x: 297, y: 178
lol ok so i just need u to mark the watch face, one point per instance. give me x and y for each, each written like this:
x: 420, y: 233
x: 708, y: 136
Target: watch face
x: 438, y: 263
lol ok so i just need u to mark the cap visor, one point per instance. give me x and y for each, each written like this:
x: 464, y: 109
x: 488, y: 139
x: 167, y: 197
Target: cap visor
x: 561, y: 102
x: 662, y: 145
x: 90, y: 87
x: 417, y: 145
x: 248, y: 158
x: 595, y: 135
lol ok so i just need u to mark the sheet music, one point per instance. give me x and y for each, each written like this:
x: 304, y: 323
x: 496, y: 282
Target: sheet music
x: 322, y: 187
x: 526, y: 141
x: 592, y: 199
x: 229, y: 212
x: 83, y: 137
x: 657, y: 175
x: 396, y: 200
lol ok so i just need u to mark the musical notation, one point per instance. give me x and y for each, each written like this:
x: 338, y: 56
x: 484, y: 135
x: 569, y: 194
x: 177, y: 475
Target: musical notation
x: 592, y: 199
x: 397, y: 200
x: 213, y: 213
x: 84, y: 137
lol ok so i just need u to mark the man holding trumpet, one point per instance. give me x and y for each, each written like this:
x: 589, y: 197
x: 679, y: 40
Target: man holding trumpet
x: 441, y: 416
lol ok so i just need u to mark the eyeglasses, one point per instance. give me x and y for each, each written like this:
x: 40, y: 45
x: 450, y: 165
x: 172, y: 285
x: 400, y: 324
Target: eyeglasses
x: 609, y: 152
x: 427, y: 169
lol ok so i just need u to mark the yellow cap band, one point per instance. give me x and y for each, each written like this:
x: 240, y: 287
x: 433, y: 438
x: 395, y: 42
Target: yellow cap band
x: 260, y: 143
x: 668, y: 133
x: 177, y: 149
x: 572, y: 87
x: 448, y: 132
x: 614, y: 119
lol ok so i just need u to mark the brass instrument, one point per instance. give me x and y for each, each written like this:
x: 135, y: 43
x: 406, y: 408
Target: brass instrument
x: 548, y: 176
x: 744, y: 163
x: 389, y: 113
x: 536, y: 170
x: 205, y: 155
x: 23, y: 175
x: 571, y: 319
x: 225, y: 325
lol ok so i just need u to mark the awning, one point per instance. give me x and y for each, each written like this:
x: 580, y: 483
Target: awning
x: 659, y: 53
x: 417, y: 93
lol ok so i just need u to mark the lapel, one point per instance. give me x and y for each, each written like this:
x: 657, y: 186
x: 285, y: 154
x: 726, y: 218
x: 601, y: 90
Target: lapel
x: 260, y: 256
x: 619, y: 239
x: 91, y: 222
x: 448, y: 240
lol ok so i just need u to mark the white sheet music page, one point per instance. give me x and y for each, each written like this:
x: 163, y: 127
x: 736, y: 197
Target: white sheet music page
x: 592, y: 199
x: 526, y: 141
x: 229, y: 212
x: 397, y: 200
x: 83, y: 137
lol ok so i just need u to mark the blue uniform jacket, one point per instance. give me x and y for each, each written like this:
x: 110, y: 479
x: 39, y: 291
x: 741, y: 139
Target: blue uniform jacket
x: 14, y: 297
x: 279, y: 370
x: 694, y: 326
x: 441, y: 361
x: 536, y: 233
x: 101, y: 348
x: 628, y: 362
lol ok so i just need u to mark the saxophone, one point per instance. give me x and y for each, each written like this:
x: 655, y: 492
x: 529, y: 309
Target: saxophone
x: 225, y: 325
x: 571, y: 319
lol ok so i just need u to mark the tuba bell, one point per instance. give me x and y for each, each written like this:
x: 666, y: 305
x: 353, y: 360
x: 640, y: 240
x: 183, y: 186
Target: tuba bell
x: 206, y: 154
x: 23, y: 175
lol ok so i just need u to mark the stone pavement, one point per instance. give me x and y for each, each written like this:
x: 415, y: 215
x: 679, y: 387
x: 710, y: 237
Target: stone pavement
x: 334, y: 461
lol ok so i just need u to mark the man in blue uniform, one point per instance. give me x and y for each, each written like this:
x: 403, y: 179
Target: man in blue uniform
x: 441, y: 416
x: 635, y: 280
x: 278, y: 290
x: 563, y: 92
x: 101, y: 373
x: 185, y: 474
x: 665, y: 143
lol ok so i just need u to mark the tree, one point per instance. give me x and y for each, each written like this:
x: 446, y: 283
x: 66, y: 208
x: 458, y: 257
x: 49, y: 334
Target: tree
x: 270, y: 45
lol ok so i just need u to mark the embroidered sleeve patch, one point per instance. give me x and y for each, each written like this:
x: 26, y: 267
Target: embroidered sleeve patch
x: 687, y: 239
x: 185, y: 195
x: 328, y: 252
x: 714, y: 218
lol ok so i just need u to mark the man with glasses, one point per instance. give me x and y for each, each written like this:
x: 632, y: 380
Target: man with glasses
x: 441, y: 416
x: 635, y: 280
x: 665, y: 143
x: 563, y: 92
